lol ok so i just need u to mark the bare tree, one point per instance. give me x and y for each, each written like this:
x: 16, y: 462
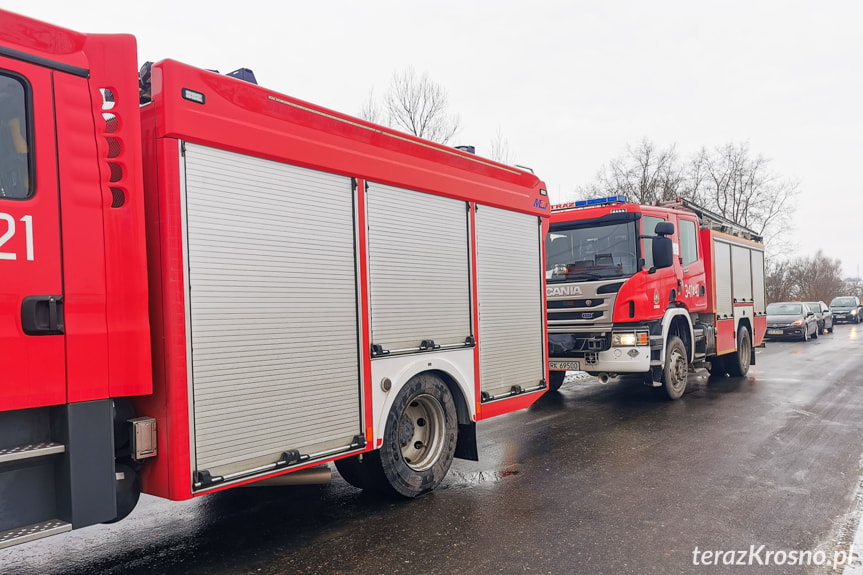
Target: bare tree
x: 371, y: 109
x: 644, y: 174
x: 727, y: 180
x: 777, y: 281
x: 414, y: 104
x: 807, y: 279
x: 742, y: 188
x: 500, y: 148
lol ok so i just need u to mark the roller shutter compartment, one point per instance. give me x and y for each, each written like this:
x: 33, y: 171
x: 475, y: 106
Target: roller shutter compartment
x: 418, y: 269
x: 509, y: 284
x: 271, y: 310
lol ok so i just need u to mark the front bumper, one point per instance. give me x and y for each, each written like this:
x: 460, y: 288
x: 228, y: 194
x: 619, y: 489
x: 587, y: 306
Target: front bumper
x: 786, y: 331
x: 568, y: 352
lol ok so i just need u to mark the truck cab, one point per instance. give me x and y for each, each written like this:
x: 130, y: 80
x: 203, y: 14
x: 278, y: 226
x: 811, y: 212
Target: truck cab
x: 606, y: 292
x: 624, y: 279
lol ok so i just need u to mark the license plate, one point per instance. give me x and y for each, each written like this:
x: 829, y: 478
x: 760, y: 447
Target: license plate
x: 839, y: 317
x: 774, y: 332
x: 564, y: 365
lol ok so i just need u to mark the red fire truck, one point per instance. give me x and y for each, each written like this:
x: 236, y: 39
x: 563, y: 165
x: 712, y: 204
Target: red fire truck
x: 206, y: 284
x: 652, y: 290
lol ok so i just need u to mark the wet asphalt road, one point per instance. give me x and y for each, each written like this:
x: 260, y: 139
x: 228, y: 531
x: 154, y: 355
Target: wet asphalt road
x: 592, y: 479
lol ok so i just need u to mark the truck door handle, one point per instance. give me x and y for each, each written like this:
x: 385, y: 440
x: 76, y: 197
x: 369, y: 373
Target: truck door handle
x: 42, y: 315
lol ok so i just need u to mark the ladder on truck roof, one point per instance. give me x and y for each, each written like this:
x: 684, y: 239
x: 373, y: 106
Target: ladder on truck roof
x: 713, y: 221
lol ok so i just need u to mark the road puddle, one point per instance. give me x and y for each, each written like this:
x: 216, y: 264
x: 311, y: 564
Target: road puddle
x: 461, y: 479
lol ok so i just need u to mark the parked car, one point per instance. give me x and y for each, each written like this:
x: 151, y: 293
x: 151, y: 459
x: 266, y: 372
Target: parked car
x: 791, y: 319
x: 847, y: 308
x: 823, y: 315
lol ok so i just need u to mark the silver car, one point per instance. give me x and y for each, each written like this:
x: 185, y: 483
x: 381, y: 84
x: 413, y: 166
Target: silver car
x: 823, y: 315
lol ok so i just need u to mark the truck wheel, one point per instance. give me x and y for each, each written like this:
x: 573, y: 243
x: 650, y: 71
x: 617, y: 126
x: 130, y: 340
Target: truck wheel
x: 676, y: 368
x: 738, y: 362
x: 555, y: 379
x: 419, y: 440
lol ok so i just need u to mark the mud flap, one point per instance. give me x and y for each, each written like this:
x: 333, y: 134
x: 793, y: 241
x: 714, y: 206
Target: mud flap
x: 465, y: 447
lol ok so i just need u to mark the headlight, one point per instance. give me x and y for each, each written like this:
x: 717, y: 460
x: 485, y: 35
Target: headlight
x: 624, y: 340
x: 798, y: 322
x: 630, y: 339
x: 853, y: 312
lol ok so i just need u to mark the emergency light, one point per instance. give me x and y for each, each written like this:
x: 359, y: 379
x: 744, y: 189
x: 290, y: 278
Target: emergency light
x: 620, y: 199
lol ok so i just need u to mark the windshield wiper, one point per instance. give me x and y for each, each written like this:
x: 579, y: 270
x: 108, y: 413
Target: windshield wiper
x: 584, y: 275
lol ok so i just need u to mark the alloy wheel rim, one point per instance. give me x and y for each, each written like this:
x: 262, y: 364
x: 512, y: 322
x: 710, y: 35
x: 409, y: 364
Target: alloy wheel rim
x: 421, y: 432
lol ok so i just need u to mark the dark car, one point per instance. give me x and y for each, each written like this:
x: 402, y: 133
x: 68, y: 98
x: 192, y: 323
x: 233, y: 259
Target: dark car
x: 846, y: 308
x: 823, y: 315
x: 792, y: 319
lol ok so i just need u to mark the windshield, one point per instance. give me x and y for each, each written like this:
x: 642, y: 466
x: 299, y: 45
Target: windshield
x: 591, y: 253
x: 785, y: 309
x: 844, y: 301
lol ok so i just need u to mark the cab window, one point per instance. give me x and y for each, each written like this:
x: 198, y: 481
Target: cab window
x: 648, y: 228
x: 15, y: 157
x: 688, y: 241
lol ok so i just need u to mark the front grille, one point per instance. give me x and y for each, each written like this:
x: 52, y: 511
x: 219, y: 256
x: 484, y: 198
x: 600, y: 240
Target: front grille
x: 576, y: 315
x: 577, y: 345
x: 575, y: 303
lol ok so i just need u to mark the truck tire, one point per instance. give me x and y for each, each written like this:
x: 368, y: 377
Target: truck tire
x: 555, y: 379
x: 737, y: 363
x: 419, y: 441
x: 676, y: 368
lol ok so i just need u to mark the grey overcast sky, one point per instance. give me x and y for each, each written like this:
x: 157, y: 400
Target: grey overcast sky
x: 568, y: 83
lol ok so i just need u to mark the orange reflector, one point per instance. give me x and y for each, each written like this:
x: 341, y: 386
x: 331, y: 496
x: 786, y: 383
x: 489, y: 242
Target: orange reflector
x: 643, y: 339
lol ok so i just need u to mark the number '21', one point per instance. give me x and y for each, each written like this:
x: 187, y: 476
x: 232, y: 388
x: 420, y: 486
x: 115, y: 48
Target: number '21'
x: 10, y: 233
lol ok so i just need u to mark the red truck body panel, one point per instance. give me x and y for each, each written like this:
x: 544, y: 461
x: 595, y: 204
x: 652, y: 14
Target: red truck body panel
x: 114, y: 210
x: 96, y: 258
x: 249, y: 119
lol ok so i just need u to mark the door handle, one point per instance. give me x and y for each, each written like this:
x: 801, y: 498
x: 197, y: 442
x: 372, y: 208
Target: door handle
x: 42, y: 315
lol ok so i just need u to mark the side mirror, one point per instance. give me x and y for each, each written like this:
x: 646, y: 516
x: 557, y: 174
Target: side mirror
x: 663, y: 254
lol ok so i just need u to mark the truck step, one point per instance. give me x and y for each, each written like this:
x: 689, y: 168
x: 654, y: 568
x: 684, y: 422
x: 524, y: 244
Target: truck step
x: 30, y: 450
x: 33, y: 532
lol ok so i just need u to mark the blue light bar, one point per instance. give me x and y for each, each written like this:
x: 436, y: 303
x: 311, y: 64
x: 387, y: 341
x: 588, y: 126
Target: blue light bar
x: 590, y: 203
x: 608, y: 200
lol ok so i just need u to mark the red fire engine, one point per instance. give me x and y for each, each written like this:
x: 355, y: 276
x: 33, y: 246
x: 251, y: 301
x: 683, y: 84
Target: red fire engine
x: 220, y: 284
x: 652, y: 290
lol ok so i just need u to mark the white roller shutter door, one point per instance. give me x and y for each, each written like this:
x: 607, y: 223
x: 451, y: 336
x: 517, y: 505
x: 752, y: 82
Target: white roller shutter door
x: 741, y: 265
x: 722, y: 280
x: 758, y: 281
x: 510, y: 300
x: 272, y: 309
x: 418, y: 269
